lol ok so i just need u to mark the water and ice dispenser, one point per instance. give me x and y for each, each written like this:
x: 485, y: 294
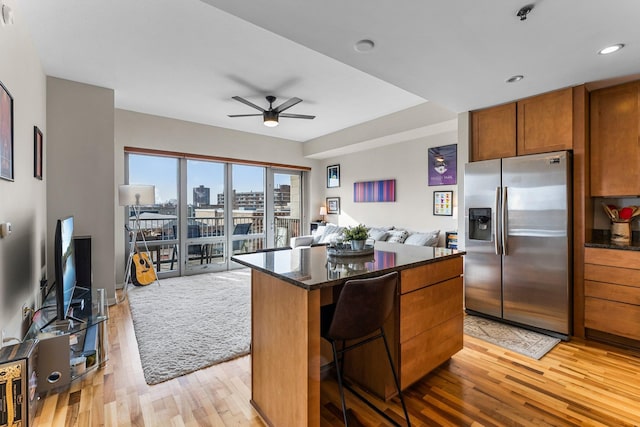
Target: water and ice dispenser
x: 480, y: 224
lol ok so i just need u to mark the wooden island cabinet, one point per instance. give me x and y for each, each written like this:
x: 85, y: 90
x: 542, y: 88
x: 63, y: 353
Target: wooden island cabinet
x: 288, y: 287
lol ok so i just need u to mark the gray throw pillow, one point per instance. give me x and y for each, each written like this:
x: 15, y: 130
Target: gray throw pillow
x: 429, y: 238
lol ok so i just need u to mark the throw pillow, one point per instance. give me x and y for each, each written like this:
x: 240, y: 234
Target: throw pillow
x: 397, y: 236
x: 331, y: 233
x: 318, y: 232
x: 429, y: 238
x: 378, y: 234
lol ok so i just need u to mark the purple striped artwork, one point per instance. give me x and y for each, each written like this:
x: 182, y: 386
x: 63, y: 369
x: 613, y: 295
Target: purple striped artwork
x: 375, y: 191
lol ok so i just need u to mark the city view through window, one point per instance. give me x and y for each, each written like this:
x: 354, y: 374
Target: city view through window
x: 257, y: 218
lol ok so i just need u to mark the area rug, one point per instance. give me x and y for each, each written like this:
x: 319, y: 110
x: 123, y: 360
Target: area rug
x: 184, y: 324
x: 523, y: 341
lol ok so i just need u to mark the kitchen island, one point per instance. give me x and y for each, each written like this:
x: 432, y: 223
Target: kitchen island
x: 288, y: 287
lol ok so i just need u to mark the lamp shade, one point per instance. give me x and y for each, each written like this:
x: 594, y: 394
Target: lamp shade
x: 323, y: 210
x: 130, y: 195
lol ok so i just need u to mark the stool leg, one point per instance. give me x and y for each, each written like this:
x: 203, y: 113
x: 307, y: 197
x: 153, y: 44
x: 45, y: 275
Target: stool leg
x: 395, y: 377
x: 339, y: 373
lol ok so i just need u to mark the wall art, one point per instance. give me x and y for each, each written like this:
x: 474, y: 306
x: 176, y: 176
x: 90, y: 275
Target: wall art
x: 6, y: 134
x: 375, y: 191
x: 443, y: 165
x: 333, y: 176
x: 443, y: 203
x: 333, y: 205
x: 37, y: 152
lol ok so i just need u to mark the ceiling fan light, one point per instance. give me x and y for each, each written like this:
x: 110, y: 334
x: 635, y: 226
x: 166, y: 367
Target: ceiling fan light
x: 270, y: 119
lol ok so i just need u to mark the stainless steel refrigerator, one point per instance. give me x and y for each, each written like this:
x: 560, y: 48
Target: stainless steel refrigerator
x: 518, y: 240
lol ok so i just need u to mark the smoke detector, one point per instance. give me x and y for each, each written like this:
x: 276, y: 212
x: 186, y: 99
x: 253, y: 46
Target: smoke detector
x: 524, y: 11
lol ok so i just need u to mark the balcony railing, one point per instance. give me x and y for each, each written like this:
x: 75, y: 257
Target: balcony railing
x: 161, y: 234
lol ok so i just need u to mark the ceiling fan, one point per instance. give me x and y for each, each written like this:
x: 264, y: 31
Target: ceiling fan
x: 270, y: 117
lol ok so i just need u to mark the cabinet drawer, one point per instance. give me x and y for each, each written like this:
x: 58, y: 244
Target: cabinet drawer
x: 618, y: 275
x: 428, y: 307
x: 598, y: 315
x: 612, y: 257
x: 419, y: 277
x: 425, y: 352
x: 612, y: 292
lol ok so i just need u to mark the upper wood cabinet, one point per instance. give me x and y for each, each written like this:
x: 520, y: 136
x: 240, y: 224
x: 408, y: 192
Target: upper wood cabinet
x: 539, y: 124
x: 493, y: 132
x: 615, y: 140
x: 545, y: 123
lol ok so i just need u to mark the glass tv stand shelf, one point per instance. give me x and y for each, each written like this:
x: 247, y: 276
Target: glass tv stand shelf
x: 70, y: 348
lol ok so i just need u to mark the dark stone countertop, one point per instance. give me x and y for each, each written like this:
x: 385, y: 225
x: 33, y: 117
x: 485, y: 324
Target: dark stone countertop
x: 602, y: 239
x: 312, y: 268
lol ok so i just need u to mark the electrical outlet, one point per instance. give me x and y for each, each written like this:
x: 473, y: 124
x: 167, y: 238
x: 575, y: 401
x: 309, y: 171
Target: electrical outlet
x: 26, y: 311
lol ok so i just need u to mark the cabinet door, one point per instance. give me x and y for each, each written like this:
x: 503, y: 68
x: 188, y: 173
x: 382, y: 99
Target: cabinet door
x: 493, y: 132
x: 545, y: 123
x: 615, y: 141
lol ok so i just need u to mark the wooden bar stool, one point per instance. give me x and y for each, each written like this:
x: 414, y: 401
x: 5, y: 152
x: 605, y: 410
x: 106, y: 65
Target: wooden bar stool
x: 361, y: 310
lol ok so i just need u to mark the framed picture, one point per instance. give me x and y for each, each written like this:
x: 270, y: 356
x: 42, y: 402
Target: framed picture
x: 333, y: 205
x: 443, y: 165
x: 333, y: 176
x: 37, y: 152
x: 6, y: 134
x: 443, y: 203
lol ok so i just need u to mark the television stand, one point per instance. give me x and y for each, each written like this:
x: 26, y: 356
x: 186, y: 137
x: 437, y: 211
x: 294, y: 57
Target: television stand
x: 74, y: 346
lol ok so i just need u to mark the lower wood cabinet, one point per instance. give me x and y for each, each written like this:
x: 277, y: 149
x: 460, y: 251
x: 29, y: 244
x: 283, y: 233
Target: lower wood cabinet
x: 612, y: 291
x: 426, y: 330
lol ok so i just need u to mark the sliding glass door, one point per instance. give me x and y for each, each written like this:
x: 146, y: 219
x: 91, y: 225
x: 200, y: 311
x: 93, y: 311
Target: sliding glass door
x: 202, y: 234
x: 286, y: 213
x: 207, y: 211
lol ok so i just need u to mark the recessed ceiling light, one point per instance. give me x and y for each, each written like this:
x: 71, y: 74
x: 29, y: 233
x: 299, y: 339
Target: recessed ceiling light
x: 610, y: 49
x: 364, y: 45
x: 514, y: 79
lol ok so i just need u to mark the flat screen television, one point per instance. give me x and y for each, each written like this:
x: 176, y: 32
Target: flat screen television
x: 65, y: 266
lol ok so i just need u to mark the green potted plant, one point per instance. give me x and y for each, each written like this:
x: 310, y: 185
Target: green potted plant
x: 357, y: 236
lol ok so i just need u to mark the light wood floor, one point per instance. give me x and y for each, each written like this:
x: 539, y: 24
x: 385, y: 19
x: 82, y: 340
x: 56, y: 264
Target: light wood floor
x: 577, y: 383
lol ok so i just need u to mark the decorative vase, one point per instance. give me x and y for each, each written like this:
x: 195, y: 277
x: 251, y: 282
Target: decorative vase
x: 357, y: 245
x: 621, y: 233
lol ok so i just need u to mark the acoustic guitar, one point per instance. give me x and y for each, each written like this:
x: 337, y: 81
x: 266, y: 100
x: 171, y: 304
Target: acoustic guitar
x: 142, y: 272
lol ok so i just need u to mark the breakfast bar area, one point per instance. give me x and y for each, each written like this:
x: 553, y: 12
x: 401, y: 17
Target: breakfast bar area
x: 287, y: 353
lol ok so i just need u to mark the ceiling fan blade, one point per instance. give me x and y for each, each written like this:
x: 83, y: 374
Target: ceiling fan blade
x: 297, y: 116
x: 287, y: 104
x: 250, y: 104
x: 244, y: 115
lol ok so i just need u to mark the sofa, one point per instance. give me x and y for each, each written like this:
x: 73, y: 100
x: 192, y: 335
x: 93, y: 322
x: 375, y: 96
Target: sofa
x: 327, y: 233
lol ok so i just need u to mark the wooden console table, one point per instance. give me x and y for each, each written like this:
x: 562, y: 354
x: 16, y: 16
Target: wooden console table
x: 288, y: 288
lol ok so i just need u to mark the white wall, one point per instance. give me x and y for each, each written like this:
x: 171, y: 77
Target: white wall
x: 80, y: 163
x: 23, y: 201
x: 407, y: 163
x: 159, y: 133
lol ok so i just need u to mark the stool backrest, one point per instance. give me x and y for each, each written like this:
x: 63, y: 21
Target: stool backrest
x: 363, y: 306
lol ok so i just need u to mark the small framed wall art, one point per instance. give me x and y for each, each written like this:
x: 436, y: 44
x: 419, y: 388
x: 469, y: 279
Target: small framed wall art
x: 6, y: 134
x: 37, y: 153
x: 333, y: 205
x: 333, y: 176
x: 443, y: 203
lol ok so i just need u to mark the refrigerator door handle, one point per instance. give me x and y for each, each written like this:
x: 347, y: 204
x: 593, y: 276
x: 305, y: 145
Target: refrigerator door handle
x: 504, y: 221
x: 496, y: 236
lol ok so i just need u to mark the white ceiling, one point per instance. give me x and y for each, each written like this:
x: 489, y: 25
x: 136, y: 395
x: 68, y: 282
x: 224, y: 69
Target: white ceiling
x: 187, y: 59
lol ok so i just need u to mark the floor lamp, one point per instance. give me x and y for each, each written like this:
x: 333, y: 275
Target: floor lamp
x: 135, y: 196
